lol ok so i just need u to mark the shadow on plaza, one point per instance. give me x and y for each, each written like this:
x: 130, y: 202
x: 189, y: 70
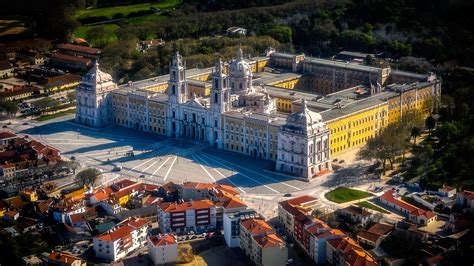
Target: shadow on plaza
x: 116, y: 135
x: 209, y: 157
x: 352, y: 175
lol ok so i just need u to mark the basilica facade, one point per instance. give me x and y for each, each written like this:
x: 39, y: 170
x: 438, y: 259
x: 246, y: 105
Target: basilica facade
x: 236, y: 115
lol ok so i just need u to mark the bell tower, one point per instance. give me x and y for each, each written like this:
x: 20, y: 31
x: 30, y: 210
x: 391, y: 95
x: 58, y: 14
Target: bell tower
x: 220, y: 92
x: 177, y: 89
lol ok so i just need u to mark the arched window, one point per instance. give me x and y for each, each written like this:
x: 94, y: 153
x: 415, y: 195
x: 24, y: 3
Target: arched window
x: 216, y: 99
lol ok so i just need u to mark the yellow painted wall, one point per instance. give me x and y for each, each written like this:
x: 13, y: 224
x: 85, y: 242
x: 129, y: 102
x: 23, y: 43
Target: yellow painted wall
x: 283, y: 105
x: 202, y: 77
x: 123, y: 200
x: 356, y: 129
x: 158, y: 88
x: 199, y: 90
x: 65, y: 86
x: 287, y: 84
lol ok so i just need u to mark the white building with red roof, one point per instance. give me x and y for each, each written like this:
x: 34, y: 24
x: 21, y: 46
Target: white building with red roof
x: 163, y: 249
x: 198, y: 216
x: 414, y: 214
x: 124, y: 238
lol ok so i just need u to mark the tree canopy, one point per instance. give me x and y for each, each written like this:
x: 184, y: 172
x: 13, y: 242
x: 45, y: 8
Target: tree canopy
x: 88, y: 177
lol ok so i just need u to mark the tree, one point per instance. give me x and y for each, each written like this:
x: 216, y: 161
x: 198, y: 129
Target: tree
x: 415, y: 132
x: 402, y: 244
x: 88, y: 177
x: 71, y: 96
x: 390, y: 143
x: 281, y: 33
x: 10, y: 107
x: 430, y: 124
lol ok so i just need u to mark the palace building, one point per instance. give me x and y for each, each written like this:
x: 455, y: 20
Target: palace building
x: 295, y: 110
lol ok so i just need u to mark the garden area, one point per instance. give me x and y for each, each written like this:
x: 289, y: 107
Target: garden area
x: 343, y: 194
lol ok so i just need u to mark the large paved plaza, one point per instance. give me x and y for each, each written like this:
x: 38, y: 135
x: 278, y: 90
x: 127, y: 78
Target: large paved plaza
x: 160, y: 159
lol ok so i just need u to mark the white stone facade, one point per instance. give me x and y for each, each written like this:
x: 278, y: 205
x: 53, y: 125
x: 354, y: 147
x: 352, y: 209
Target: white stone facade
x: 303, y: 144
x: 94, y: 104
x: 238, y: 116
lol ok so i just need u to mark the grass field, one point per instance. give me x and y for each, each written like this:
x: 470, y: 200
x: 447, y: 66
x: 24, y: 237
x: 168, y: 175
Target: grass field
x: 56, y: 115
x: 109, y: 12
x: 81, y: 31
x: 371, y: 206
x: 342, y: 194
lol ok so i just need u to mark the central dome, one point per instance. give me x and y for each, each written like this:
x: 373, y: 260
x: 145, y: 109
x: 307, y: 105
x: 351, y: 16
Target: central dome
x: 303, y: 118
x: 239, y: 67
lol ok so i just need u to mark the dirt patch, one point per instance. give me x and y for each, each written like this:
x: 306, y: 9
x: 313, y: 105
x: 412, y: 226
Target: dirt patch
x: 7, y: 21
x: 185, y: 254
x: 14, y: 30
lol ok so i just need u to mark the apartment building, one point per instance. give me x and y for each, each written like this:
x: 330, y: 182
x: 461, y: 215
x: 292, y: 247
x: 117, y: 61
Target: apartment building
x: 289, y: 209
x: 232, y: 225
x: 260, y: 243
x: 197, y: 216
x: 310, y: 233
x: 124, y: 238
x: 163, y: 249
x: 345, y: 251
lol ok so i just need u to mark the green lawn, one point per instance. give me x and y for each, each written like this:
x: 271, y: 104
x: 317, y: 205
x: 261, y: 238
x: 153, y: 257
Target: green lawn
x: 109, y: 12
x: 342, y: 194
x: 56, y: 115
x: 111, y: 28
x: 371, y: 206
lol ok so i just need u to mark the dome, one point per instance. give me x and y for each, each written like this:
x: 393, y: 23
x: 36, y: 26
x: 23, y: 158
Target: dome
x: 239, y: 67
x: 95, y: 76
x: 304, y: 117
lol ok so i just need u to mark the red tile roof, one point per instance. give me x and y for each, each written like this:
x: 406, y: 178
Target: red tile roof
x: 103, y: 194
x: 7, y: 135
x: 123, y: 230
x: 369, y: 236
x: 78, y: 217
x: 163, y: 240
x: 180, y: 207
x: 71, y: 58
x: 381, y: 228
x: 63, y: 258
x: 63, y: 79
x: 331, y: 232
x: 256, y: 226
x: 467, y: 194
x: 11, y: 213
x: 127, y: 190
x: 344, y: 244
x: 301, y: 200
x: 234, y: 203
x: 359, y: 258
x: 79, y: 48
x: 389, y: 196
x: 268, y: 240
